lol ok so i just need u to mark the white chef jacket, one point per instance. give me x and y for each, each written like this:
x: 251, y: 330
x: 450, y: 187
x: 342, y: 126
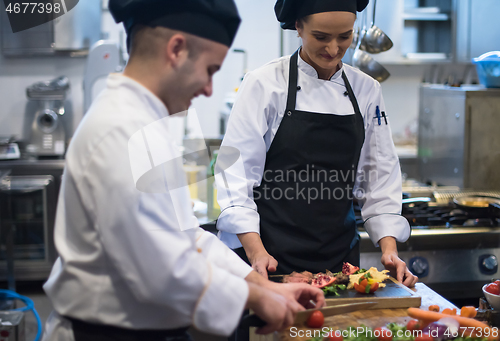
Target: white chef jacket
x: 255, y: 118
x: 123, y: 260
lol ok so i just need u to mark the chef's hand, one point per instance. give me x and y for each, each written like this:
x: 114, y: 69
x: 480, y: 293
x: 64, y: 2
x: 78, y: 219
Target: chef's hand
x: 273, y: 308
x: 263, y: 263
x: 394, y: 264
x: 301, y: 293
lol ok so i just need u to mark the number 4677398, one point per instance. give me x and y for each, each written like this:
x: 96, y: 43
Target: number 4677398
x: 33, y: 7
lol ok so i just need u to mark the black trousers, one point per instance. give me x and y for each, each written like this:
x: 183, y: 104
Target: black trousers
x: 84, y: 331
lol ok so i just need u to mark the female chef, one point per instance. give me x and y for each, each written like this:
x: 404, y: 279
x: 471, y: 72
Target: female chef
x: 311, y: 132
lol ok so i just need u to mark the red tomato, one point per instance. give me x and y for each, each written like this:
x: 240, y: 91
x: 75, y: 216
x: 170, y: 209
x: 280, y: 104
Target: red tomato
x: 424, y: 337
x: 374, y: 287
x: 335, y: 335
x: 493, y: 288
x: 316, y: 320
x: 413, y: 325
x: 359, y: 288
x: 363, y: 283
x: 382, y: 334
x: 497, y: 282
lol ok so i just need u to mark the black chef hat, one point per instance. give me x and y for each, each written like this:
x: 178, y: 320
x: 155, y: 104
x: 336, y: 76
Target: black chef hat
x: 289, y: 11
x: 217, y: 20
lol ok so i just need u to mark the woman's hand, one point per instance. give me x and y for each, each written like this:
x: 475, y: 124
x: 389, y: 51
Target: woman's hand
x: 263, y: 263
x: 398, y: 269
x: 394, y: 264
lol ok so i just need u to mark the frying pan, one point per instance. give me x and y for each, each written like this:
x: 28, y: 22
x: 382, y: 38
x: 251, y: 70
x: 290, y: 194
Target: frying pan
x: 477, y: 205
x: 495, y: 210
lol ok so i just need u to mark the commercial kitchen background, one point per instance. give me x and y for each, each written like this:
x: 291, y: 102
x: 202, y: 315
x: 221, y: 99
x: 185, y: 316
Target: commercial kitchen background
x: 259, y: 35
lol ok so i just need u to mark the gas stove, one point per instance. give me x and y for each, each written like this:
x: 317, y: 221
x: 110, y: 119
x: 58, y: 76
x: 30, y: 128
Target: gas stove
x: 451, y: 250
x: 425, y: 216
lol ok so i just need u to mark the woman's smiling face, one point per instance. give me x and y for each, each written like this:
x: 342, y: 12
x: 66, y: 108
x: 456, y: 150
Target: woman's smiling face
x: 325, y: 37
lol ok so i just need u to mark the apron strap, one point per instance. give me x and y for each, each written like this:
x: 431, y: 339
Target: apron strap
x: 350, y: 93
x: 292, y: 82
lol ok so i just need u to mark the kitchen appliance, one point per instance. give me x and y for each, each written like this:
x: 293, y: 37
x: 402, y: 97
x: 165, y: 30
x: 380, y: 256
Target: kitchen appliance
x: 28, y: 201
x: 48, y: 135
x: 458, y: 139
x: 453, y: 251
x: 9, y: 149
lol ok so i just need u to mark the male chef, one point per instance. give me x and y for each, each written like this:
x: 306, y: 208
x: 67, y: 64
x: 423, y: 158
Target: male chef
x: 133, y: 265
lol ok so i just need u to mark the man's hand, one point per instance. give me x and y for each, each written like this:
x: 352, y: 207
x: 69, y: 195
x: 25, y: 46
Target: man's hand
x: 394, y: 264
x: 295, y: 296
x: 273, y: 308
x: 301, y: 293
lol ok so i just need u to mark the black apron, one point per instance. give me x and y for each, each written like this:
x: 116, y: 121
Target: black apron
x: 85, y: 331
x: 305, y: 201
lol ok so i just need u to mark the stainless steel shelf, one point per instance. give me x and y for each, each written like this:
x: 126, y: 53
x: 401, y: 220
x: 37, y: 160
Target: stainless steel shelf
x: 426, y: 17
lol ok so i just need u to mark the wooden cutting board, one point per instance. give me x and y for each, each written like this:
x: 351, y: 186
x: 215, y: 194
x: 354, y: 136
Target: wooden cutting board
x: 371, y: 318
x: 393, y: 295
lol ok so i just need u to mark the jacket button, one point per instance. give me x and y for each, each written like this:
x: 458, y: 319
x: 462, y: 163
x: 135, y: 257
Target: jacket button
x: 289, y: 113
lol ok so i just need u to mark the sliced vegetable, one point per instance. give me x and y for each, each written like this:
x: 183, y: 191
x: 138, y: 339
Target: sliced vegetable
x: 452, y: 325
x: 436, y: 330
x: 468, y: 311
x: 449, y: 311
x: 434, y: 307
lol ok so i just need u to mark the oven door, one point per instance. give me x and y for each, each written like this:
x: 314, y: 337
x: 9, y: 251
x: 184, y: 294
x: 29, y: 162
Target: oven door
x: 26, y: 226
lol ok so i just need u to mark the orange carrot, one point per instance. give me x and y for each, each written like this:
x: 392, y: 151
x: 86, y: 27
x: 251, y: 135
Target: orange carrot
x: 468, y: 311
x: 434, y: 307
x: 420, y: 314
x: 449, y: 311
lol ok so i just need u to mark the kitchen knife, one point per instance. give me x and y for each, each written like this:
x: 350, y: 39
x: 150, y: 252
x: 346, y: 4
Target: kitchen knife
x: 302, y: 316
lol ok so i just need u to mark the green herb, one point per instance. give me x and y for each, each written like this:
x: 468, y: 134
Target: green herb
x: 333, y: 289
x: 367, y: 288
x: 360, y: 271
